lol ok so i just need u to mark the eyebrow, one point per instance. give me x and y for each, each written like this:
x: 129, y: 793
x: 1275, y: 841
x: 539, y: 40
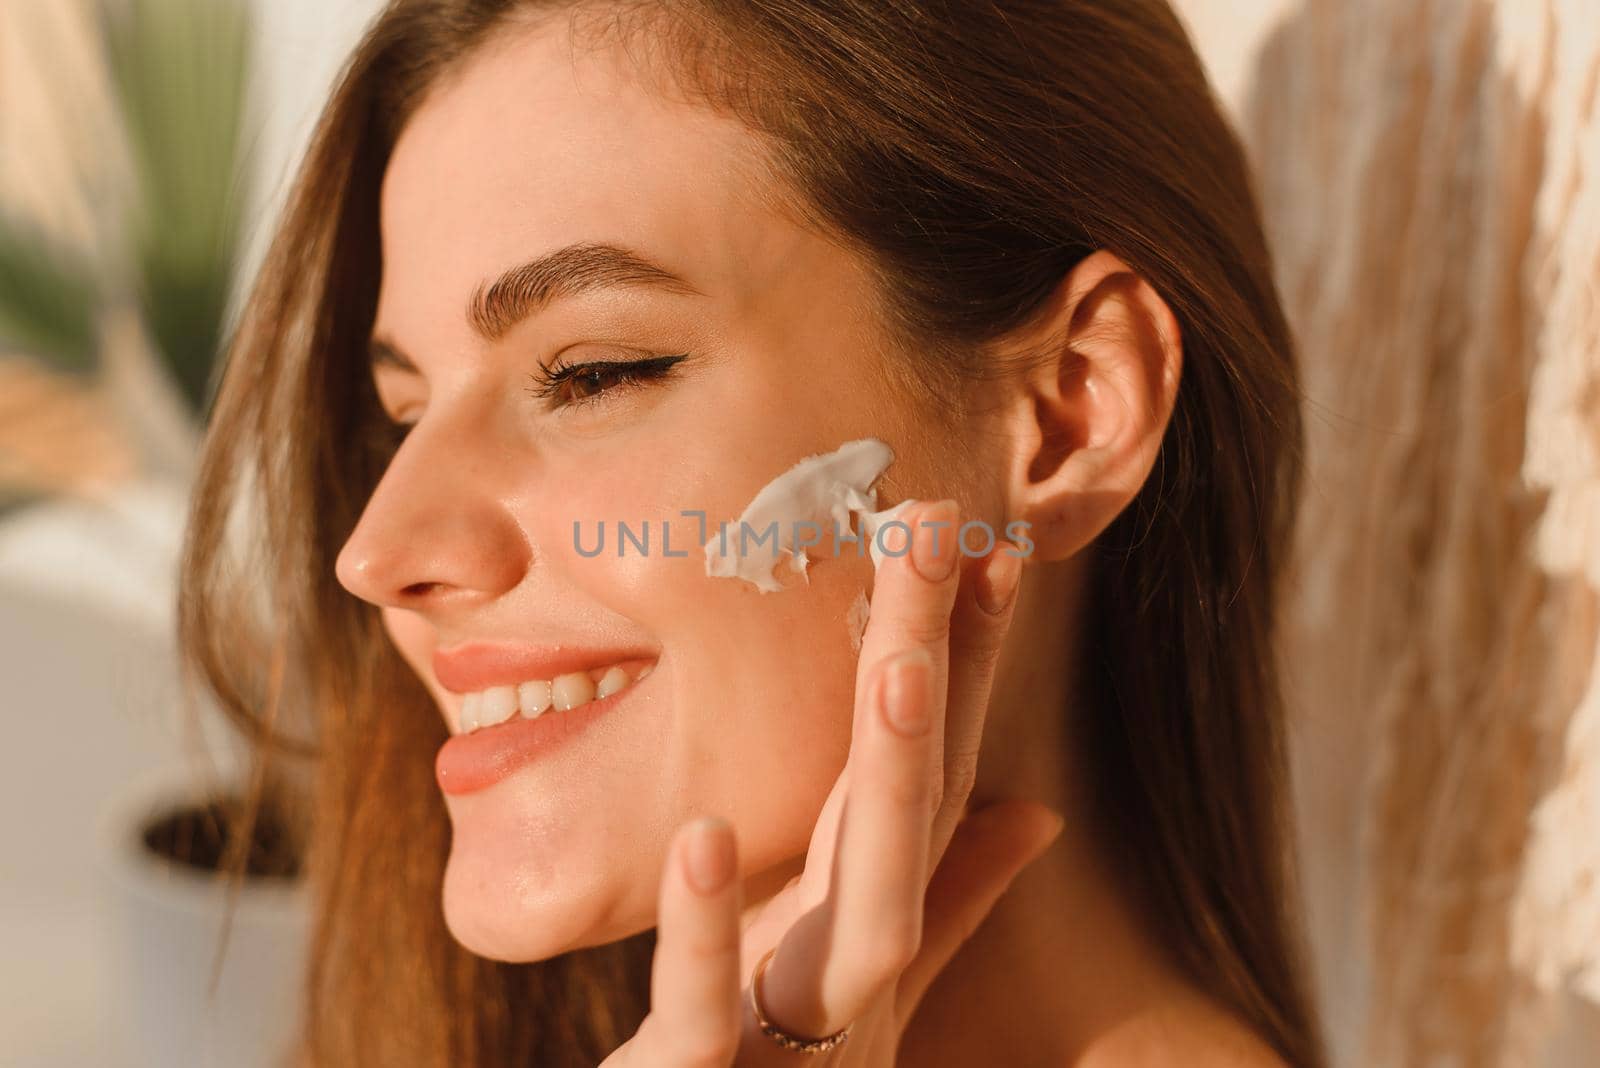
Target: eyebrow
x: 496, y: 307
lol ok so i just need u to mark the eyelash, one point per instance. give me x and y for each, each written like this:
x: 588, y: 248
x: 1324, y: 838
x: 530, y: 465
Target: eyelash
x: 388, y: 434
x: 549, y: 381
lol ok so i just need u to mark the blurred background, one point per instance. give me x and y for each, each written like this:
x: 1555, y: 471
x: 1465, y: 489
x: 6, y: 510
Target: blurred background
x: 1430, y: 175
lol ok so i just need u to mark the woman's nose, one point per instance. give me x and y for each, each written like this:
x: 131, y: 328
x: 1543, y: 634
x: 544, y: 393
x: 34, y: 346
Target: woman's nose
x: 437, y: 529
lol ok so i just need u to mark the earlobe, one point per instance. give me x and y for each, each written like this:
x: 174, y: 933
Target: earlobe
x: 1089, y: 411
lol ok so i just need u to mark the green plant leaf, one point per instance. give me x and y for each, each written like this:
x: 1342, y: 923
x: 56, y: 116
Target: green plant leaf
x: 181, y: 71
x: 48, y: 298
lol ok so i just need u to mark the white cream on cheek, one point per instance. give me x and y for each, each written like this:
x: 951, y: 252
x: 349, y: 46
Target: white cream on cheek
x: 821, y: 489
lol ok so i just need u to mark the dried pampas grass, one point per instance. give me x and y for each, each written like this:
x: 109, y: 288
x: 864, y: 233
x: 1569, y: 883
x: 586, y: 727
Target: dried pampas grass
x: 1431, y: 177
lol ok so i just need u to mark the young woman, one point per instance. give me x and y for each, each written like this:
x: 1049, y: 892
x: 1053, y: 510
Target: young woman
x: 549, y: 267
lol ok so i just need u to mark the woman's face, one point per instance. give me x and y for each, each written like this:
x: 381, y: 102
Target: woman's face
x: 468, y: 542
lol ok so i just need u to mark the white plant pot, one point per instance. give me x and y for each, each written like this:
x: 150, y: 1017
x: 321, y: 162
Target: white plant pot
x: 165, y: 922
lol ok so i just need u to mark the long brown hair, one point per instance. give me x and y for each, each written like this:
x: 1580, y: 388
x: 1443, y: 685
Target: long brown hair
x: 972, y: 153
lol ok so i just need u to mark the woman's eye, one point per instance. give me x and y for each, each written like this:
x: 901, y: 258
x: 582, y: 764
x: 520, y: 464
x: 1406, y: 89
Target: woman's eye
x: 562, y: 385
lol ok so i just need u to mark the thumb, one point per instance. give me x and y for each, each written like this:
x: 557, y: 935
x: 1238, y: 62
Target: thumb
x: 987, y: 851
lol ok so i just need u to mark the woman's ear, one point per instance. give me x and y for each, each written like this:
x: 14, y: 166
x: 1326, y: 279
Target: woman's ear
x: 1087, y: 416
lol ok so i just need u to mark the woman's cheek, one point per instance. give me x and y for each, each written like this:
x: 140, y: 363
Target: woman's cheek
x: 756, y: 672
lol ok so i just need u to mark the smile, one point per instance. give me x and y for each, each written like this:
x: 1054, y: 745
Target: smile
x: 533, y: 698
x: 525, y: 704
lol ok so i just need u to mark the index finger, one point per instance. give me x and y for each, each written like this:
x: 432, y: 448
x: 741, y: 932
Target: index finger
x: 913, y: 591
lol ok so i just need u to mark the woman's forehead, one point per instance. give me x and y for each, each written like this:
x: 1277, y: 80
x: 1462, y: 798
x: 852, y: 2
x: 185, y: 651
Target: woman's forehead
x: 534, y: 145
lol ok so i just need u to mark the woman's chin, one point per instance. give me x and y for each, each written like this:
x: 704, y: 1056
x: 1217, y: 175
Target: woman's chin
x: 532, y: 912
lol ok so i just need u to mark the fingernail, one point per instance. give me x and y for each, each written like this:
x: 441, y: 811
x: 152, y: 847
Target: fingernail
x: 904, y: 692
x: 934, y: 546
x: 709, y: 860
x: 893, y: 538
x: 998, y: 582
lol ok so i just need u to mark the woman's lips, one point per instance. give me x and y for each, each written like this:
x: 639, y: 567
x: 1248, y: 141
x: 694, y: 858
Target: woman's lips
x: 481, y: 758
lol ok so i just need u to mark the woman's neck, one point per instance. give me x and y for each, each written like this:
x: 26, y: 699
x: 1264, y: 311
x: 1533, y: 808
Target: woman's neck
x: 1065, y: 971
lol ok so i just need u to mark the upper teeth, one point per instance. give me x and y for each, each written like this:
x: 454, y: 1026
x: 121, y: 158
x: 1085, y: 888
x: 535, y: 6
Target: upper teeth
x: 485, y: 708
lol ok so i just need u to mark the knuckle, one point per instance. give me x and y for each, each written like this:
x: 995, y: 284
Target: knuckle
x: 926, y: 629
x: 701, y: 947
x: 909, y: 790
x: 710, y: 948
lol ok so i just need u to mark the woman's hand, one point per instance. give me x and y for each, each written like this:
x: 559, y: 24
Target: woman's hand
x: 897, y: 875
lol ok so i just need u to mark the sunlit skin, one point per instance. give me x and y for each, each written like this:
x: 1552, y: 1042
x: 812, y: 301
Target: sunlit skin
x: 752, y: 708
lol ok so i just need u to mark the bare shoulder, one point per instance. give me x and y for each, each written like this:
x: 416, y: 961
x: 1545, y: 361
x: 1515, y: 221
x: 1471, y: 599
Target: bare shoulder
x: 1182, y: 1028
